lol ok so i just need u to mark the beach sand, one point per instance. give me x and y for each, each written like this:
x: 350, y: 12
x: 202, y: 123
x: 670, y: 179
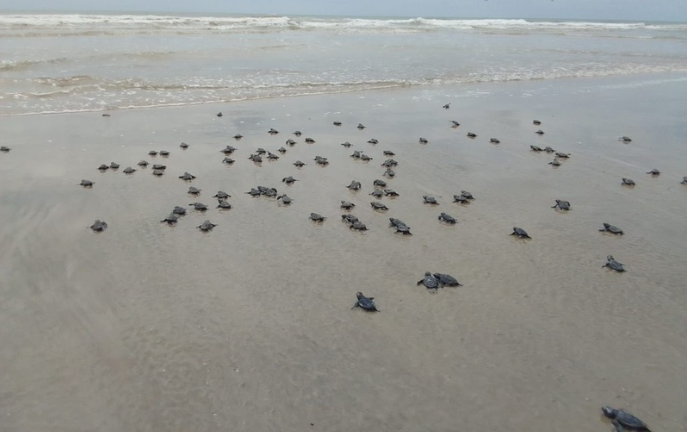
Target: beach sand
x: 146, y: 327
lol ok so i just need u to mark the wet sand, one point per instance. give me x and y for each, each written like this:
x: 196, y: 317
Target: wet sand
x: 147, y: 327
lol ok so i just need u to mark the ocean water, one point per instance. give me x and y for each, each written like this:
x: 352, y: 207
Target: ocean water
x: 63, y: 63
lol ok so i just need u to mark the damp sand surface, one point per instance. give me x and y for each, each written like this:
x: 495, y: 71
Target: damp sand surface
x: 146, y: 327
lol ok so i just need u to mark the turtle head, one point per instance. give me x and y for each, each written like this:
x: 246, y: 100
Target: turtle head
x: 428, y: 274
x: 610, y: 258
x: 609, y: 412
x: 359, y: 294
x: 606, y: 225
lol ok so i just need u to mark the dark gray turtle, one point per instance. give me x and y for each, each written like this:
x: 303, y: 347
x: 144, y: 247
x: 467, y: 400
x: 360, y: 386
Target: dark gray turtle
x: 317, y: 217
x: 379, y: 183
x: 255, y: 158
x: 628, y: 182
x: 611, y: 229
x: 540, y: 132
x: 447, y: 106
x: 622, y: 419
x: 164, y: 153
x: 423, y: 140
x: 171, y: 219
x: 467, y: 195
x: 237, y: 137
x: 393, y: 222
x: 349, y: 218
x: 272, y: 131
x: 222, y: 195
x: 521, y: 233
x: 555, y: 163
x: 86, y: 183
x: 337, y: 123
x: 187, y: 176
x: 365, y: 158
x: 114, y: 165
x: 321, y: 160
x: 390, y: 193
x: 388, y: 153
x: 4, y: 149
x: 281, y: 150
x: 356, y: 154
x: 228, y: 150
x: 224, y: 205
x: 289, y: 180
x: 228, y: 161
x: 297, y: 133
x: 347, y: 205
x: 357, y: 225
x: 270, y: 193
x: 284, y: 199
x: 219, y: 114
x: 129, y: 170
x: 263, y: 189
x: 625, y: 139
x: 272, y: 156
x: 472, y: 135
x: 355, y: 185
x: 446, y: 280
x: 377, y: 193
x: 403, y: 229
x: 99, y: 225
x: 206, y: 226
x: 389, y: 173
x: 613, y: 264
x: 454, y: 124
x: 361, y: 126
x: 494, y: 140
x: 158, y: 172
x: 562, y: 155
x: 143, y: 163
x: 152, y: 153
x: 429, y: 281
x: 199, y: 206
x: 654, y: 172
x: 549, y: 150
x: 179, y: 211
x: 193, y: 191
x: 183, y: 145
x: 376, y: 205
x: 460, y: 199
x: 159, y: 167
x: 429, y: 200
x: 346, y: 144
x: 309, y: 141
x: 103, y: 167
x: 365, y: 303
x: 260, y: 151
x: 290, y: 142
x: 684, y: 180
x: 299, y: 164
x: 443, y: 217
x: 536, y: 148
x: 536, y: 122
x: 372, y: 141
x: 562, y: 205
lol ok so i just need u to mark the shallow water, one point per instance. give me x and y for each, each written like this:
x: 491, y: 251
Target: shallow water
x: 147, y: 327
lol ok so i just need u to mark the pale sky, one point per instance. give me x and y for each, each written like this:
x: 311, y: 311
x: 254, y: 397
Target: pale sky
x: 636, y: 10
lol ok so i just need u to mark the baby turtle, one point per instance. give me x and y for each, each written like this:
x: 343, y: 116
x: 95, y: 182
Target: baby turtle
x: 555, y: 163
x: 494, y: 140
x: 187, y: 176
x: 4, y: 149
x: 158, y: 172
x: 114, y: 165
x: 430, y: 200
x: 270, y: 192
x: 284, y: 199
x: 143, y: 163
x: 171, y: 219
x: 361, y: 126
x: 460, y: 199
x: 228, y: 161
x: 377, y: 193
x: 321, y: 160
x: 222, y: 195
x: 393, y: 222
x: 219, y: 114
x: 290, y: 142
x: 129, y: 170
x: 99, y: 226
x: 347, y: 205
x: 372, y: 141
x: 289, y: 180
x: 376, y: 205
x: 429, y: 281
x: 281, y: 150
x: 454, y: 124
x: 349, y: 218
x: 103, y: 167
x: 260, y: 151
x: 625, y: 139
x: 346, y: 144
x: 86, y: 183
x: 379, y: 183
x: 389, y: 173
x: 365, y: 303
x: 390, y: 193
x: 297, y: 133
x: 228, y: 150
x: 337, y: 123
x: 152, y: 153
x: 611, y: 229
x: 355, y: 185
x: 621, y: 418
x: 423, y: 140
x: 562, y: 205
x: 467, y: 195
x: 536, y: 122
x: 164, y: 153
x: 159, y: 167
x: 443, y: 217
x: 317, y: 218
x: 446, y: 280
x: 472, y: 135
x: 403, y: 229
x: 356, y: 154
x: 237, y: 137
x: 357, y: 225
x: 536, y: 148
x: 388, y: 153
x: 299, y: 164
x: 563, y: 155
x: 684, y: 180
x: 194, y: 191
x: 206, y: 226
x: 272, y: 156
x: 521, y: 233
x: 179, y: 211
x: 183, y: 145
x: 365, y: 158
x: 199, y: 206
x: 309, y: 141
x: 272, y: 131
x: 613, y: 264
x: 447, y: 106
x: 224, y: 205
x: 654, y: 172
x: 628, y: 182
x: 255, y: 158
x: 540, y: 132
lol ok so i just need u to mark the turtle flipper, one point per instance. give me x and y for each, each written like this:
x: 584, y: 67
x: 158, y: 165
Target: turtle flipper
x: 356, y: 305
x: 618, y: 426
x: 420, y: 282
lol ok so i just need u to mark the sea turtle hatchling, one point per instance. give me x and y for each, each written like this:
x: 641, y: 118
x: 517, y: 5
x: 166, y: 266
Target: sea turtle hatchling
x: 361, y: 126
x: 285, y: 199
x: 625, y: 139
x: 281, y: 150
x: 536, y: 122
x: 628, y: 182
x: 684, y: 180
x: 354, y: 186
x: 179, y: 211
x: 171, y: 219
x: 388, y: 153
x: 562, y: 205
x: 346, y: 144
x: 297, y: 133
x: 349, y: 218
x: 114, y: 165
x: 520, y: 233
x: 228, y: 161
x: 99, y: 226
x: 159, y: 167
x: 447, y: 106
x: 472, y: 135
x: 255, y: 158
x: 654, y: 172
x: 429, y: 281
x: 272, y: 156
x: 403, y: 229
x: 395, y: 223
x: 206, y: 226
x: 289, y: 180
x: 198, y: 206
x: 373, y: 141
x: 260, y: 151
x: 337, y: 123
x: 129, y: 170
x: 223, y: 204
x: 152, y: 153
x: 289, y: 142
x: 377, y: 193
x: 379, y: 183
x: 467, y: 195
x: 613, y: 264
x: 365, y: 158
x: 562, y: 155
x: 309, y: 141
x: 555, y: 163
x: 187, y: 176
x: 447, y: 280
x: 317, y: 217
x: 536, y: 148
x: 423, y: 140
x: 376, y: 205
x: 193, y: 191
x: 237, y: 137
x: 611, y: 229
x: 347, y: 205
x: 183, y: 145
x: 359, y: 226
x: 460, y: 199
x: 429, y: 200
x: 549, y: 150
x: 540, y: 132
x: 299, y: 164
x: 272, y: 131
x: 389, y: 163
x: 143, y: 163
x: 443, y: 217
x: 390, y: 193
x: 228, y: 150
x: 365, y: 303
x: 221, y: 195
x: 454, y: 124
x: 86, y: 183
x: 356, y: 154
x: 158, y: 172
x: 622, y: 419
x: 164, y: 153
x: 4, y: 149
x: 389, y: 173
x: 103, y: 167
x: 494, y: 140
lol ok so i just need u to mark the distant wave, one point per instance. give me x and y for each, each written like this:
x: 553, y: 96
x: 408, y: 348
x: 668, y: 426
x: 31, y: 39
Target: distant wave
x: 10, y: 65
